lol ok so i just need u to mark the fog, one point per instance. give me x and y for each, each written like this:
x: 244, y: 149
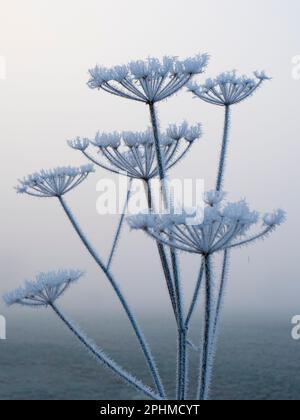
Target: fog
x: 50, y: 45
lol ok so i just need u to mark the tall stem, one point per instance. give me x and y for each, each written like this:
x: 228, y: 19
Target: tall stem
x: 224, y: 149
x: 182, y: 337
x: 162, y: 254
x: 206, y: 365
x: 103, y: 358
x: 182, y: 342
x: 119, y: 228
x: 159, y: 156
x: 144, y: 345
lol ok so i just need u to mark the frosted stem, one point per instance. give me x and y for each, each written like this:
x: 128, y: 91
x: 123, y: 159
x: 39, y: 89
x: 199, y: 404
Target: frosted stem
x: 195, y: 296
x: 221, y: 291
x: 182, y: 337
x: 224, y: 149
x: 103, y: 358
x: 206, y: 365
x: 162, y: 255
x: 144, y: 345
x: 119, y: 228
x: 159, y: 156
x: 182, y: 344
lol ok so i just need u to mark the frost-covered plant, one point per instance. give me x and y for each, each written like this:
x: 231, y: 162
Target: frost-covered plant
x: 133, y: 153
x: 147, y: 81
x: 143, y: 156
x: 222, y: 228
x: 55, y: 182
x: 44, y: 291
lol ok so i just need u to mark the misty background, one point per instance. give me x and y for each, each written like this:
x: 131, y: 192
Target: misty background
x: 49, y: 47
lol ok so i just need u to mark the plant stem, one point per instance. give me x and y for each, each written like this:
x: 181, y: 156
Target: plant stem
x: 225, y: 142
x: 103, y: 358
x: 206, y: 365
x: 221, y: 291
x: 119, y: 228
x: 182, y: 342
x: 195, y: 296
x: 144, y: 346
x: 159, y: 156
x: 182, y: 337
x: 219, y: 187
x: 162, y: 254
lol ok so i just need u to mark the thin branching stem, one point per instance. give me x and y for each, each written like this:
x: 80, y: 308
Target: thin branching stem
x: 221, y: 293
x: 195, y: 296
x: 143, y: 343
x: 103, y: 358
x: 119, y: 228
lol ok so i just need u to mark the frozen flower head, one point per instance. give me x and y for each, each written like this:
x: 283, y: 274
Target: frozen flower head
x: 214, y: 198
x: 79, y: 144
x: 104, y: 140
x: 54, y: 182
x: 228, y: 89
x: 147, y: 81
x: 44, y: 290
x: 274, y: 219
x: 223, y: 227
x: 133, y: 153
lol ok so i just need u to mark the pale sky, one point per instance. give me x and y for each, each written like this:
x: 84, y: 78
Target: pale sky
x: 50, y: 45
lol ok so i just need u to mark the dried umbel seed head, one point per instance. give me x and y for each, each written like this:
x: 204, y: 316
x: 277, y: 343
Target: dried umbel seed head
x: 228, y: 89
x: 132, y: 153
x: 54, y: 182
x: 44, y: 290
x: 147, y: 81
x: 223, y: 227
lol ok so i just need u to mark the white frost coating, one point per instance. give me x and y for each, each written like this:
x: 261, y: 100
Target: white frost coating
x: 107, y: 140
x: 147, y: 81
x: 45, y: 289
x: 214, y: 198
x: 223, y: 227
x: 275, y: 219
x: 79, y: 143
x: 133, y: 153
x: 54, y: 182
x: 228, y: 88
